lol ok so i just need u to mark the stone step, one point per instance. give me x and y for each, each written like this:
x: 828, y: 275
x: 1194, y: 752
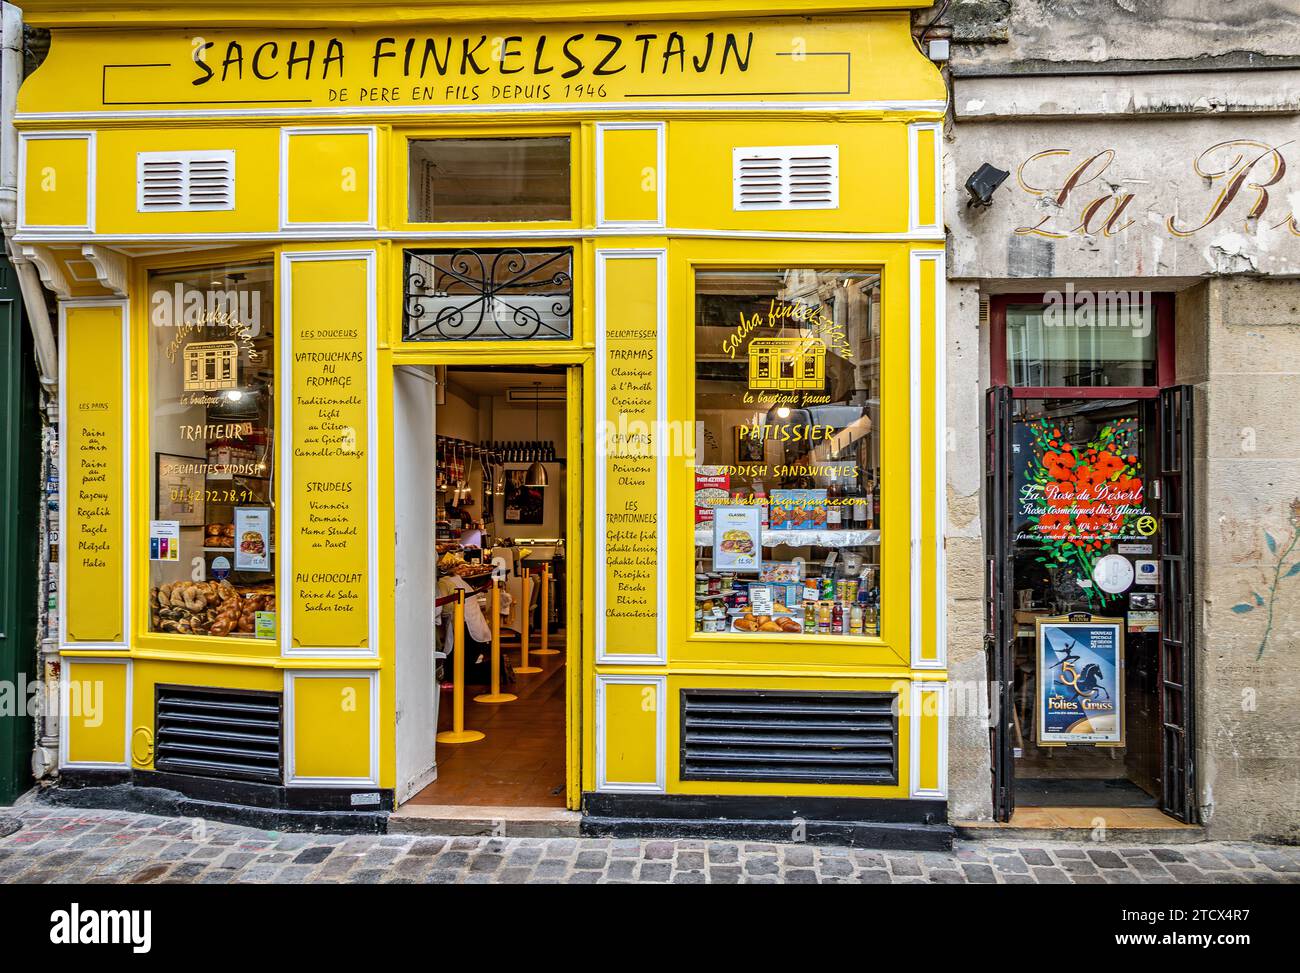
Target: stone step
x: 501, y: 822
x: 1115, y: 835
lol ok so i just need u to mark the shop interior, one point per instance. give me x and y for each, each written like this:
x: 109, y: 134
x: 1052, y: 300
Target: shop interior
x: 1056, y: 573
x: 500, y: 508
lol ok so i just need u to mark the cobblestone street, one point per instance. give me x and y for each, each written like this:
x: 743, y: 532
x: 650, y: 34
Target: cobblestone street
x: 84, y: 846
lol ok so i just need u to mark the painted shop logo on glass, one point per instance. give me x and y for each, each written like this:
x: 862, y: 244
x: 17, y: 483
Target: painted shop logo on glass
x: 191, y: 311
x: 793, y: 359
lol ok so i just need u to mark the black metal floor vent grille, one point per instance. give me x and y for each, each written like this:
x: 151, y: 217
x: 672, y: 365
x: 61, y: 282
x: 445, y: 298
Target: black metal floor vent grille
x: 230, y: 734
x: 811, y: 737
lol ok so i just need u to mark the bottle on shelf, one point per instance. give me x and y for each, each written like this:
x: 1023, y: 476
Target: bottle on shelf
x: 860, y: 501
x: 834, y: 512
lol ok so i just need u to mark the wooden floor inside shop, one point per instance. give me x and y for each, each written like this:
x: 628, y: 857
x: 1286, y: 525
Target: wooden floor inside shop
x: 520, y: 763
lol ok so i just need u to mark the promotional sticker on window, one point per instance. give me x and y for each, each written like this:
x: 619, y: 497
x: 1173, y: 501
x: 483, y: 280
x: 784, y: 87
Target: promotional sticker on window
x: 164, y: 540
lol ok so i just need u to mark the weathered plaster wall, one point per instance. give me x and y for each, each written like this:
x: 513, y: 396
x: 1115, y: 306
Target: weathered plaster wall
x: 1246, y: 365
x: 1062, y: 215
x: 1029, y: 31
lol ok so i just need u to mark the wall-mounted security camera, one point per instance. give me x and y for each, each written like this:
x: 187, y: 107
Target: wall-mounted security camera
x: 982, y: 183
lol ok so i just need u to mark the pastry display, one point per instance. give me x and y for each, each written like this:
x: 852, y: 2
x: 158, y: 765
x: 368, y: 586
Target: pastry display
x: 219, y: 535
x: 208, y: 608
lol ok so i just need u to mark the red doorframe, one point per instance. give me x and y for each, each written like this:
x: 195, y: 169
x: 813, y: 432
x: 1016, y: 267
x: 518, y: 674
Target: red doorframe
x: 1164, y: 308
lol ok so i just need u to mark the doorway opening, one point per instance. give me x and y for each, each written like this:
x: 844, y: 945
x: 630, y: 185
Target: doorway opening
x: 498, y: 489
x: 1088, y: 553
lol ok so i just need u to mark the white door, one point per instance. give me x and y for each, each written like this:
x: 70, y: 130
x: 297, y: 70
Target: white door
x: 414, y: 434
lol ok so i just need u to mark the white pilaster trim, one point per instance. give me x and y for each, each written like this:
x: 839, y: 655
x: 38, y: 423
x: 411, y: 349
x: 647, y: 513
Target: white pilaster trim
x: 914, y: 224
x: 915, y: 701
x: 916, y: 386
x: 65, y: 709
x: 658, y: 785
x: 24, y: 139
x: 291, y: 778
x: 372, y: 193
x: 661, y: 173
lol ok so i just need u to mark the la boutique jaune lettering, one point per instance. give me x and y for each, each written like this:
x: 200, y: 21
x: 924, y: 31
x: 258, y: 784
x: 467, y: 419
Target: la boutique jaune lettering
x: 467, y: 56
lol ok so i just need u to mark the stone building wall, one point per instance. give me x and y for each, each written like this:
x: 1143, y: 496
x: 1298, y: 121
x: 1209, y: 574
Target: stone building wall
x: 1168, y: 105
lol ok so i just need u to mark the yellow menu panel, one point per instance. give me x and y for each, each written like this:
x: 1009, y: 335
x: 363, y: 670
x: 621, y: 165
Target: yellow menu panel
x: 93, y: 547
x: 329, y: 390
x: 630, y: 438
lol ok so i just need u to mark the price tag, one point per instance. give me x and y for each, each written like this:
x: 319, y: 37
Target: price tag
x: 760, y: 599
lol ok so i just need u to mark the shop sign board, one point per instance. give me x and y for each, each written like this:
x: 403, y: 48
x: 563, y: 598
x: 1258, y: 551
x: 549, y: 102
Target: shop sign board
x: 440, y: 66
x: 1080, y: 681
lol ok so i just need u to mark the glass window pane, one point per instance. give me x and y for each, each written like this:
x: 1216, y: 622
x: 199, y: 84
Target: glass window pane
x: 211, y: 392
x: 787, y: 498
x: 489, y: 180
x: 1105, y: 342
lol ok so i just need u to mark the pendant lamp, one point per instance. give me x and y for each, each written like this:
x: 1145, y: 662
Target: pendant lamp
x: 536, y: 475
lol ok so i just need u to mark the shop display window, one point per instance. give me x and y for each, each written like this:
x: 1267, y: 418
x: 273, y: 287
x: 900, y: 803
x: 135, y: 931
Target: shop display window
x: 483, y: 180
x: 787, y: 475
x: 1106, y: 342
x: 211, y: 351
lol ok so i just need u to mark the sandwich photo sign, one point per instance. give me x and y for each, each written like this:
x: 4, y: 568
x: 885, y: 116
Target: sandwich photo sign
x: 737, y: 538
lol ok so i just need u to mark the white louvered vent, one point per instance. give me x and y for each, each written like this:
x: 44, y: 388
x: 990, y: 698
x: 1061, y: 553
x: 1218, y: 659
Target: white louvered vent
x: 786, y: 177
x: 176, y: 181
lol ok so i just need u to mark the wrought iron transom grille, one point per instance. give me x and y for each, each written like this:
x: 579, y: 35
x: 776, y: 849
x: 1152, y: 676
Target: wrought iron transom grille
x: 510, y: 294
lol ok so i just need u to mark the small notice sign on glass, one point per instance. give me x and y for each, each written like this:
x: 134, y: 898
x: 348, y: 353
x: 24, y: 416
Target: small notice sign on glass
x: 252, y: 538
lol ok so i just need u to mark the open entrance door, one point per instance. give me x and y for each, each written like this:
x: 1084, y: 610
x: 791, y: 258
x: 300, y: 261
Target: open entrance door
x: 495, y: 493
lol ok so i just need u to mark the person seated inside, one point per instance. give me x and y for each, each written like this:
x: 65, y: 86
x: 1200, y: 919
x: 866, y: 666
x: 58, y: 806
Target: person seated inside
x: 478, y: 633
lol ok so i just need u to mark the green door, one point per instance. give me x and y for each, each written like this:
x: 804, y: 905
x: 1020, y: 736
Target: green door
x: 19, y: 513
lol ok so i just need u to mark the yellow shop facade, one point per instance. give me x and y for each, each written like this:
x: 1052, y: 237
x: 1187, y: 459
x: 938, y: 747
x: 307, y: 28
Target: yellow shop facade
x: 290, y: 240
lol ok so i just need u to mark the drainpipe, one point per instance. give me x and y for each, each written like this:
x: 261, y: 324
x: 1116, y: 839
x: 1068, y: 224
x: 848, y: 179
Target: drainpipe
x: 38, y: 314
x: 46, y: 750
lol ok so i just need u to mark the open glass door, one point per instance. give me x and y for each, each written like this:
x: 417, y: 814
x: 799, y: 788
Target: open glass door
x: 999, y: 583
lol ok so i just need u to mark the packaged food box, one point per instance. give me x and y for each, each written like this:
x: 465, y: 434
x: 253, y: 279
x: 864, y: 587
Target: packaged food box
x: 798, y: 509
x: 712, y: 487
